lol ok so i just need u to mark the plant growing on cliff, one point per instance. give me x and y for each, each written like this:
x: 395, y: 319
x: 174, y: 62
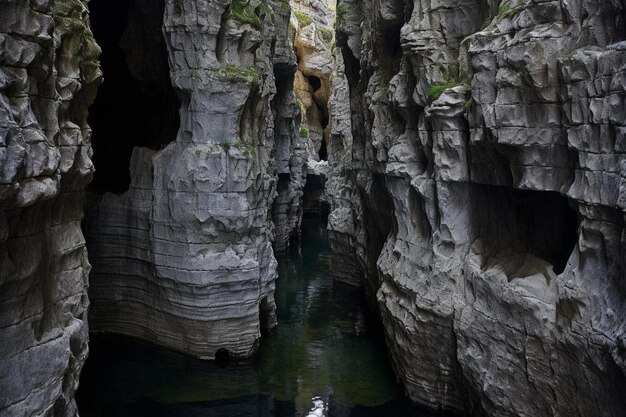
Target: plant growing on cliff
x: 327, y: 35
x: 304, y: 19
x: 508, y: 9
x: 342, y: 10
x: 304, y: 132
x: 236, y: 74
x: 452, y: 79
x: 240, y: 10
x: 291, y: 32
x: 435, y: 90
x: 285, y: 5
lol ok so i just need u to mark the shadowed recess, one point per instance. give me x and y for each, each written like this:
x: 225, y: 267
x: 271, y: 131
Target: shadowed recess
x: 136, y: 105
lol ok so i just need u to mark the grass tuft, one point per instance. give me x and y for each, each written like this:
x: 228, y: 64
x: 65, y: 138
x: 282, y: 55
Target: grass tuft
x: 304, y: 19
x: 240, y: 11
x: 236, y: 74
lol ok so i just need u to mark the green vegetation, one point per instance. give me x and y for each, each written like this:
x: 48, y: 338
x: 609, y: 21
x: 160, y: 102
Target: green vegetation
x: 77, y: 39
x: 503, y: 10
x: 327, y: 35
x: 236, y: 74
x: 435, y: 90
x: 239, y: 10
x: 507, y: 9
x: 240, y: 145
x: 292, y: 32
x: 304, y: 132
x: 304, y: 19
x: 469, y: 103
x: 342, y: 9
x: 285, y: 5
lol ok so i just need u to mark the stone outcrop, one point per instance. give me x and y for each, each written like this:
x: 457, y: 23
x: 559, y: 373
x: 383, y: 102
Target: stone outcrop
x: 313, y: 39
x: 482, y: 198
x: 184, y: 258
x: 48, y: 77
x: 291, y: 152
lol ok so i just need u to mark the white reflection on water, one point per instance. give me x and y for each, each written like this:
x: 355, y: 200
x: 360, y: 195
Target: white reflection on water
x: 319, y: 408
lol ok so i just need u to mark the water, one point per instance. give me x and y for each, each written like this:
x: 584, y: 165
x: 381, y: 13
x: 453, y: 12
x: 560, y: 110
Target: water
x: 324, y: 359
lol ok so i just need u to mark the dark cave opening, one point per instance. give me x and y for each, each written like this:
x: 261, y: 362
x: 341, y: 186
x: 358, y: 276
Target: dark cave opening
x: 314, y: 203
x: 222, y: 357
x: 315, y: 82
x: 323, y: 153
x: 136, y: 104
x: 542, y: 223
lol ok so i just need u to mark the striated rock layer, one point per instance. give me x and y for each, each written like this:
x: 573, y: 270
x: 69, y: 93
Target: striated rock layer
x: 482, y: 195
x: 184, y: 257
x: 48, y: 77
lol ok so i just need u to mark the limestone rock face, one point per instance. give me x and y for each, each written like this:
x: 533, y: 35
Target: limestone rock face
x: 184, y: 258
x: 483, y: 197
x: 48, y: 77
x: 313, y: 37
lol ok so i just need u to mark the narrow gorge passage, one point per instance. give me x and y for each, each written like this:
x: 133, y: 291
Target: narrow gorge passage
x: 312, y: 208
x: 326, y: 353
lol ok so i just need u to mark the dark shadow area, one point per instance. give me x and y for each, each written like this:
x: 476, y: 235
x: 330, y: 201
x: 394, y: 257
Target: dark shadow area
x: 314, y: 201
x: 512, y: 222
x: 323, y: 153
x: 222, y: 357
x: 136, y: 104
x: 315, y: 82
x: 379, y: 221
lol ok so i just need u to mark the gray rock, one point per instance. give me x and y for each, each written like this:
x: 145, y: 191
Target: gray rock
x: 483, y: 198
x: 48, y: 76
x: 184, y: 259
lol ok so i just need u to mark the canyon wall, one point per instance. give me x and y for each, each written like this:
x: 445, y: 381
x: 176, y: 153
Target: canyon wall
x: 183, y: 257
x: 48, y: 77
x: 197, y: 120
x: 479, y: 186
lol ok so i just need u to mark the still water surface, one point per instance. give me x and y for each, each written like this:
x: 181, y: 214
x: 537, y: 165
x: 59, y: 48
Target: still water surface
x: 324, y: 359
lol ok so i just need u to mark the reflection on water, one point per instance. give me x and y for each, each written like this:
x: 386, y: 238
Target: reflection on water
x: 324, y: 359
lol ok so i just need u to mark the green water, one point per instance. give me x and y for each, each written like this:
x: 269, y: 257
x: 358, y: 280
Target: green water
x: 325, y: 358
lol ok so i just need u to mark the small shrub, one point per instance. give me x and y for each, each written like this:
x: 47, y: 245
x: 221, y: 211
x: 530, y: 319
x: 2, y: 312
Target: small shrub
x: 236, y: 74
x: 304, y: 19
x: 435, y: 90
x: 327, y: 35
x: 304, y: 132
x: 239, y: 11
x: 503, y: 10
x: 285, y: 5
x: 226, y: 146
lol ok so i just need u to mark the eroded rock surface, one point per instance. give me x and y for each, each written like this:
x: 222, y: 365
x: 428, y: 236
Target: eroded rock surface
x: 48, y: 77
x: 184, y: 258
x: 483, y: 197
